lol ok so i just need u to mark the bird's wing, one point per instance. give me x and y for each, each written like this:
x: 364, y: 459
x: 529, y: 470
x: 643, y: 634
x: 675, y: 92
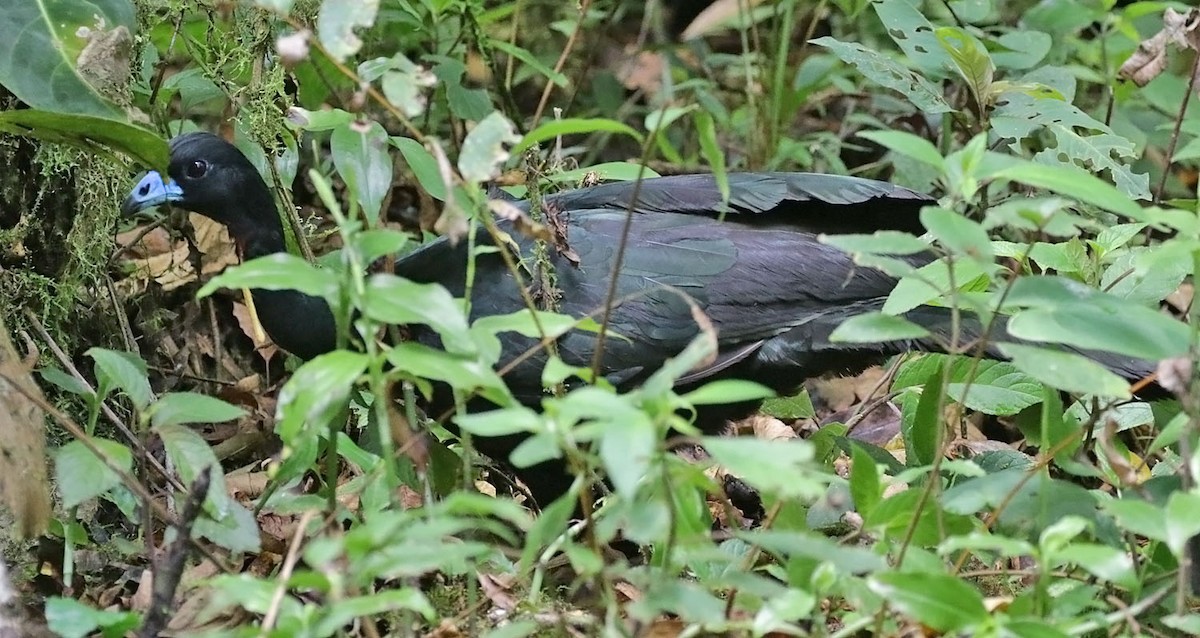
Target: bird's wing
x: 830, y: 203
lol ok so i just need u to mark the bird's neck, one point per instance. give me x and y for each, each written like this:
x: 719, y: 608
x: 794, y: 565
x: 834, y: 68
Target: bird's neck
x: 259, y: 231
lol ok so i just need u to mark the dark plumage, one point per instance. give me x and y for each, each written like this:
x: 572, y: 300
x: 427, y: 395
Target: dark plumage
x: 773, y: 292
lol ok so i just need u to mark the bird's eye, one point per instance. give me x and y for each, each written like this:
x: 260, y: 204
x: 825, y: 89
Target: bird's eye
x: 196, y: 169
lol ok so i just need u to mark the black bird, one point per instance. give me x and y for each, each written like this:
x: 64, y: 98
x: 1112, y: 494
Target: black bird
x: 773, y: 292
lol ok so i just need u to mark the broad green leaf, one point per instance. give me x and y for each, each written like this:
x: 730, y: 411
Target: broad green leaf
x: 1133, y: 331
x: 865, y: 486
x: 713, y: 153
x: 80, y: 475
x: 69, y: 618
x: 889, y: 73
x: 316, y: 389
x: 606, y: 172
x: 125, y: 371
x: 998, y: 387
x: 882, y: 242
x: 1075, y: 183
x: 1066, y: 370
x: 336, y: 22
x: 971, y: 60
x: 574, y: 126
x: 1181, y: 521
x: 782, y: 467
x: 932, y: 281
x: 90, y: 132
x: 907, y: 144
x: 387, y: 602
x: 1079, y: 140
x: 875, y: 327
x: 484, y: 150
x: 361, y: 158
x: 52, y: 54
x: 504, y: 422
x: 725, y: 391
x: 393, y: 299
x: 940, y: 601
x: 807, y: 544
x: 280, y: 271
x: 912, y: 32
x: 923, y: 430
x: 404, y: 84
x: 1104, y: 562
x: 466, y: 373
x: 958, y: 234
x: 627, y: 445
x: 423, y: 165
x: 174, y: 408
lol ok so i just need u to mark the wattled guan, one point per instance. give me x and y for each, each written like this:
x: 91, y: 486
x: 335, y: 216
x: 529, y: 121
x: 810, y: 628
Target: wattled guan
x: 772, y: 291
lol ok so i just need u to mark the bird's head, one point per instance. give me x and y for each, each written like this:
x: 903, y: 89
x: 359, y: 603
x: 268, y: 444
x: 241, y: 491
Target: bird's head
x: 210, y: 176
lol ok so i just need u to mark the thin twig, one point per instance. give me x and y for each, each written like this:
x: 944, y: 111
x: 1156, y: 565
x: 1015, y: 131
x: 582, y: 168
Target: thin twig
x: 169, y: 567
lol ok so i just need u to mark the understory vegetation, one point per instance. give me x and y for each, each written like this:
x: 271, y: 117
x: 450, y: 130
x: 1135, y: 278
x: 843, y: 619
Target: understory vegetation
x: 207, y: 483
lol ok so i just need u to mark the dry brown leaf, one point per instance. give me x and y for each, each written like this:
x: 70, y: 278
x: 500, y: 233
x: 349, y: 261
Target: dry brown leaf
x: 714, y: 16
x: 1150, y: 57
x: 641, y: 70
x: 262, y: 343
x: 769, y: 428
x: 498, y: 589
x: 23, y: 484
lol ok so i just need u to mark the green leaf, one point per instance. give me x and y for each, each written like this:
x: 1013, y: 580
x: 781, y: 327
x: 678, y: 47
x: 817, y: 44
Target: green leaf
x: 942, y: 602
x: 1075, y: 183
x: 280, y: 271
x: 781, y: 467
x: 1104, y: 562
x: 393, y: 299
x: 89, y: 132
x: 125, y: 371
x: 70, y: 618
x: 923, y: 431
x: 1079, y: 141
x: 1066, y: 370
x: 713, y: 154
x: 958, y: 234
x: 466, y: 373
x: 875, y: 327
x: 174, y: 408
x: 724, y: 391
x: 971, y: 60
x: 889, y: 73
x: 912, y: 32
x: 606, y: 172
x: 483, y: 151
x: 361, y: 158
x: 865, y: 488
x: 336, y: 22
x: 882, y: 242
x: 932, y: 281
x: 558, y: 79
x: 45, y: 60
x: 389, y: 601
x: 81, y: 475
x: 909, y: 145
x: 627, y: 445
x: 574, y: 126
x: 789, y: 408
x: 423, y: 165
x: 1181, y: 521
x: 320, y: 386
x: 404, y: 84
x: 998, y: 387
x: 1134, y: 331
x: 504, y: 422
x: 191, y: 455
